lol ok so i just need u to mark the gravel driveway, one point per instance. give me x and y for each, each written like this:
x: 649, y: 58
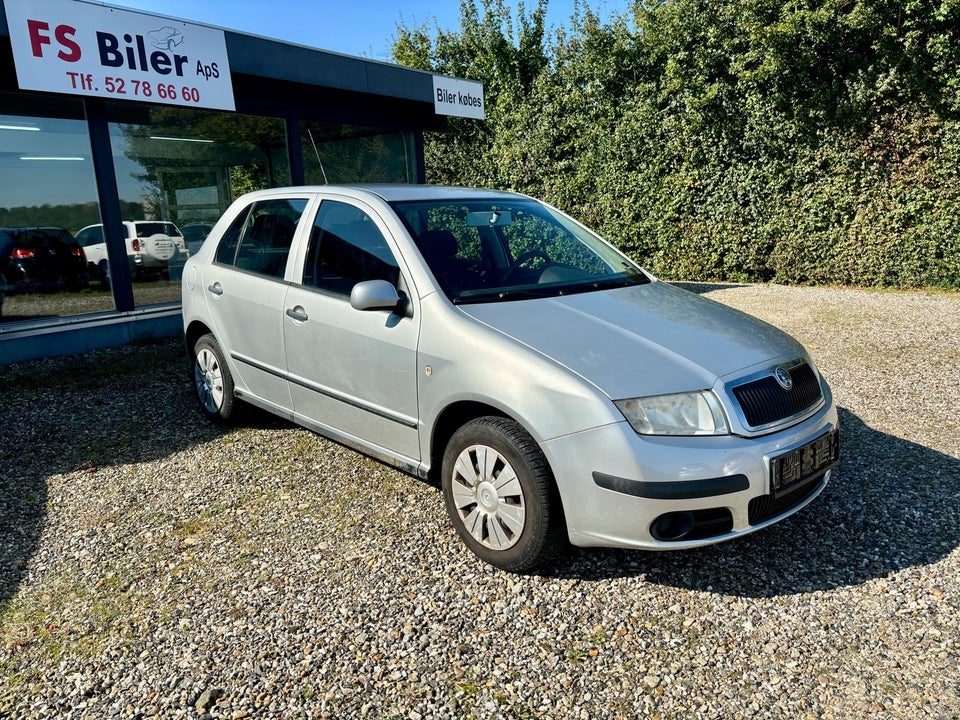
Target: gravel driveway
x: 154, y: 565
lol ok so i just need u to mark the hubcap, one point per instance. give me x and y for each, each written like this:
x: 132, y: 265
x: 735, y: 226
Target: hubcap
x: 208, y: 380
x: 488, y: 497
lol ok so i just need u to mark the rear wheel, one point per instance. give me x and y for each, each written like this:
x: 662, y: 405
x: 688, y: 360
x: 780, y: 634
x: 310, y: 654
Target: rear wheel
x: 212, y: 380
x: 103, y: 273
x: 500, y: 495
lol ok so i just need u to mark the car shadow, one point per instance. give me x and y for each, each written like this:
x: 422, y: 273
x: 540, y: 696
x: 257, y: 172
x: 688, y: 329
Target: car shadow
x: 891, y: 504
x: 132, y: 404
x: 23, y: 502
x: 701, y: 288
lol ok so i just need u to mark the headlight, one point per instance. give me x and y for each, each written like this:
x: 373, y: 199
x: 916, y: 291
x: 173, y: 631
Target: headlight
x: 695, y: 413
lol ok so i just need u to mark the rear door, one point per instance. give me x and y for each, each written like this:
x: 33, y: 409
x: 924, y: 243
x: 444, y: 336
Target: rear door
x: 245, y: 287
x: 352, y: 373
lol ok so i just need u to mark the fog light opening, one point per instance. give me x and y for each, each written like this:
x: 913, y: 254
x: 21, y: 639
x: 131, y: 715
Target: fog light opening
x: 672, y: 526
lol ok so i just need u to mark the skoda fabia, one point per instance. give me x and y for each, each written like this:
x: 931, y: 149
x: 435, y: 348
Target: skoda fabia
x: 558, y: 392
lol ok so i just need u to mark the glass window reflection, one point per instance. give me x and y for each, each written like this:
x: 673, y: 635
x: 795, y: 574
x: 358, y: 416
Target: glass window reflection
x: 185, y: 166
x: 47, y: 194
x: 350, y: 154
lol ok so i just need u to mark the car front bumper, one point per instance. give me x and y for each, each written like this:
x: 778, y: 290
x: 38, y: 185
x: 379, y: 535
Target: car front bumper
x: 621, y: 489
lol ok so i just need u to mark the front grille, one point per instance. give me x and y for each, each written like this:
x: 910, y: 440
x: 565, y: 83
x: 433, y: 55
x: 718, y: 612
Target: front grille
x: 764, y: 401
x: 768, y: 506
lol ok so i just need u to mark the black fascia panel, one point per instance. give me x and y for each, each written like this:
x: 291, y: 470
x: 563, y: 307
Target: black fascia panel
x: 255, y: 95
x: 251, y: 55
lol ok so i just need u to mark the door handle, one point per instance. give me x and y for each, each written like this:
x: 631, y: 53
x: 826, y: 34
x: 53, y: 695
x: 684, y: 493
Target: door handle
x: 215, y: 289
x: 297, y: 313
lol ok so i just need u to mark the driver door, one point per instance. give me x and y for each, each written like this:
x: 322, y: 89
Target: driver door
x: 352, y: 372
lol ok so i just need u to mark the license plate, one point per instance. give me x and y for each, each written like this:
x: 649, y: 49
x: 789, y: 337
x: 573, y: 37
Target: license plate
x: 804, y: 463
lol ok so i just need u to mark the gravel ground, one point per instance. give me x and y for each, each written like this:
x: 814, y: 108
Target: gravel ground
x: 152, y: 565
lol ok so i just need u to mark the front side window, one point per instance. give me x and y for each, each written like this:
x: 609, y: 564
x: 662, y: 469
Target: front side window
x: 346, y: 247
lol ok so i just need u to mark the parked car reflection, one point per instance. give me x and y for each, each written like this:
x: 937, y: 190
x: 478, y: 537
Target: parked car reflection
x: 195, y: 234
x: 6, y: 247
x: 153, y: 247
x: 41, y: 259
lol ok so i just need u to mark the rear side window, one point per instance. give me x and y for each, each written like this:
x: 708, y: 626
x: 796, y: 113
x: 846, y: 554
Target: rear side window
x: 90, y: 236
x: 146, y: 229
x: 32, y: 239
x: 346, y: 247
x: 259, y: 240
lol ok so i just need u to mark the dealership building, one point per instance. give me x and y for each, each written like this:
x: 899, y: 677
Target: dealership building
x: 110, y: 115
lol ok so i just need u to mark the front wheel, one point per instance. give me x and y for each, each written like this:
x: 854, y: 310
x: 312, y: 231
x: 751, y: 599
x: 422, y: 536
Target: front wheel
x: 212, y: 380
x: 500, y: 494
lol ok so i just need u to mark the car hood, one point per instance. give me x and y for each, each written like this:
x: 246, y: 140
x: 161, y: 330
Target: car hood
x: 643, y: 340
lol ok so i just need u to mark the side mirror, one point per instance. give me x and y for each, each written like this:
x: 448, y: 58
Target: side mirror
x: 374, y: 295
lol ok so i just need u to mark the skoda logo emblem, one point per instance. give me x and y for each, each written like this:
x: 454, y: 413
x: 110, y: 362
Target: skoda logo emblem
x: 783, y: 378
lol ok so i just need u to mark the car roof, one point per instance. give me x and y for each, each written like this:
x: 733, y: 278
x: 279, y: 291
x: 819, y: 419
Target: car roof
x: 395, y: 192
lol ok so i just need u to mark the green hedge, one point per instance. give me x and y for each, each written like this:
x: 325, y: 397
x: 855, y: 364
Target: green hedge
x: 732, y: 141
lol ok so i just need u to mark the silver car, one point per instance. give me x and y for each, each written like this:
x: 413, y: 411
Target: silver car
x: 558, y: 392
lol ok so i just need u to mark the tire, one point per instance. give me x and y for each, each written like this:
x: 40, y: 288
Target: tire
x: 212, y: 381
x: 103, y: 273
x: 501, y: 496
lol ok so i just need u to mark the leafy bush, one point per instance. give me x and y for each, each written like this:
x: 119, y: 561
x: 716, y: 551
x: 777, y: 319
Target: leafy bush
x: 757, y: 141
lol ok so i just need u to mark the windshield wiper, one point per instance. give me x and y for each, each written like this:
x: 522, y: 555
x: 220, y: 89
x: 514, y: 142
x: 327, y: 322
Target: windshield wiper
x: 619, y: 282
x: 507, y: 295
x: 530, y: 293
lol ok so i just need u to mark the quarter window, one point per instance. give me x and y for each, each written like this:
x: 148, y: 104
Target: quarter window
x: 227, y: 249
x: 346, y: 247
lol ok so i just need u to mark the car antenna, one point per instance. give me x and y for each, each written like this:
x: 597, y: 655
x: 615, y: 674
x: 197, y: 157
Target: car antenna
x: 319, y: 161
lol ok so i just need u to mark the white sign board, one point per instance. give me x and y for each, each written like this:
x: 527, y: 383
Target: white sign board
x: 64, y: 46
x: 462, y: 98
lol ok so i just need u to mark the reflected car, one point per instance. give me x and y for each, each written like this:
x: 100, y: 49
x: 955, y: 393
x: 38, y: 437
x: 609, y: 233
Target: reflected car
x: 556, y: 391
x: 42, y: 259
x: 153, y: 247
x: 73, y: 258
x: 195, y: 234
x: 6, y: 247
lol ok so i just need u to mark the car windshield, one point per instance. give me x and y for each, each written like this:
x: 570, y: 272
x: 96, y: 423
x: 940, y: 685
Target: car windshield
x: 483, y: 251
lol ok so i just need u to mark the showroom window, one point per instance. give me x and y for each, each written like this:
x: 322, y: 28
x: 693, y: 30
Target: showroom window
x: 185, y: 166
x: 177, y: 171
x: 349, y: 154
x: 48, y: 192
